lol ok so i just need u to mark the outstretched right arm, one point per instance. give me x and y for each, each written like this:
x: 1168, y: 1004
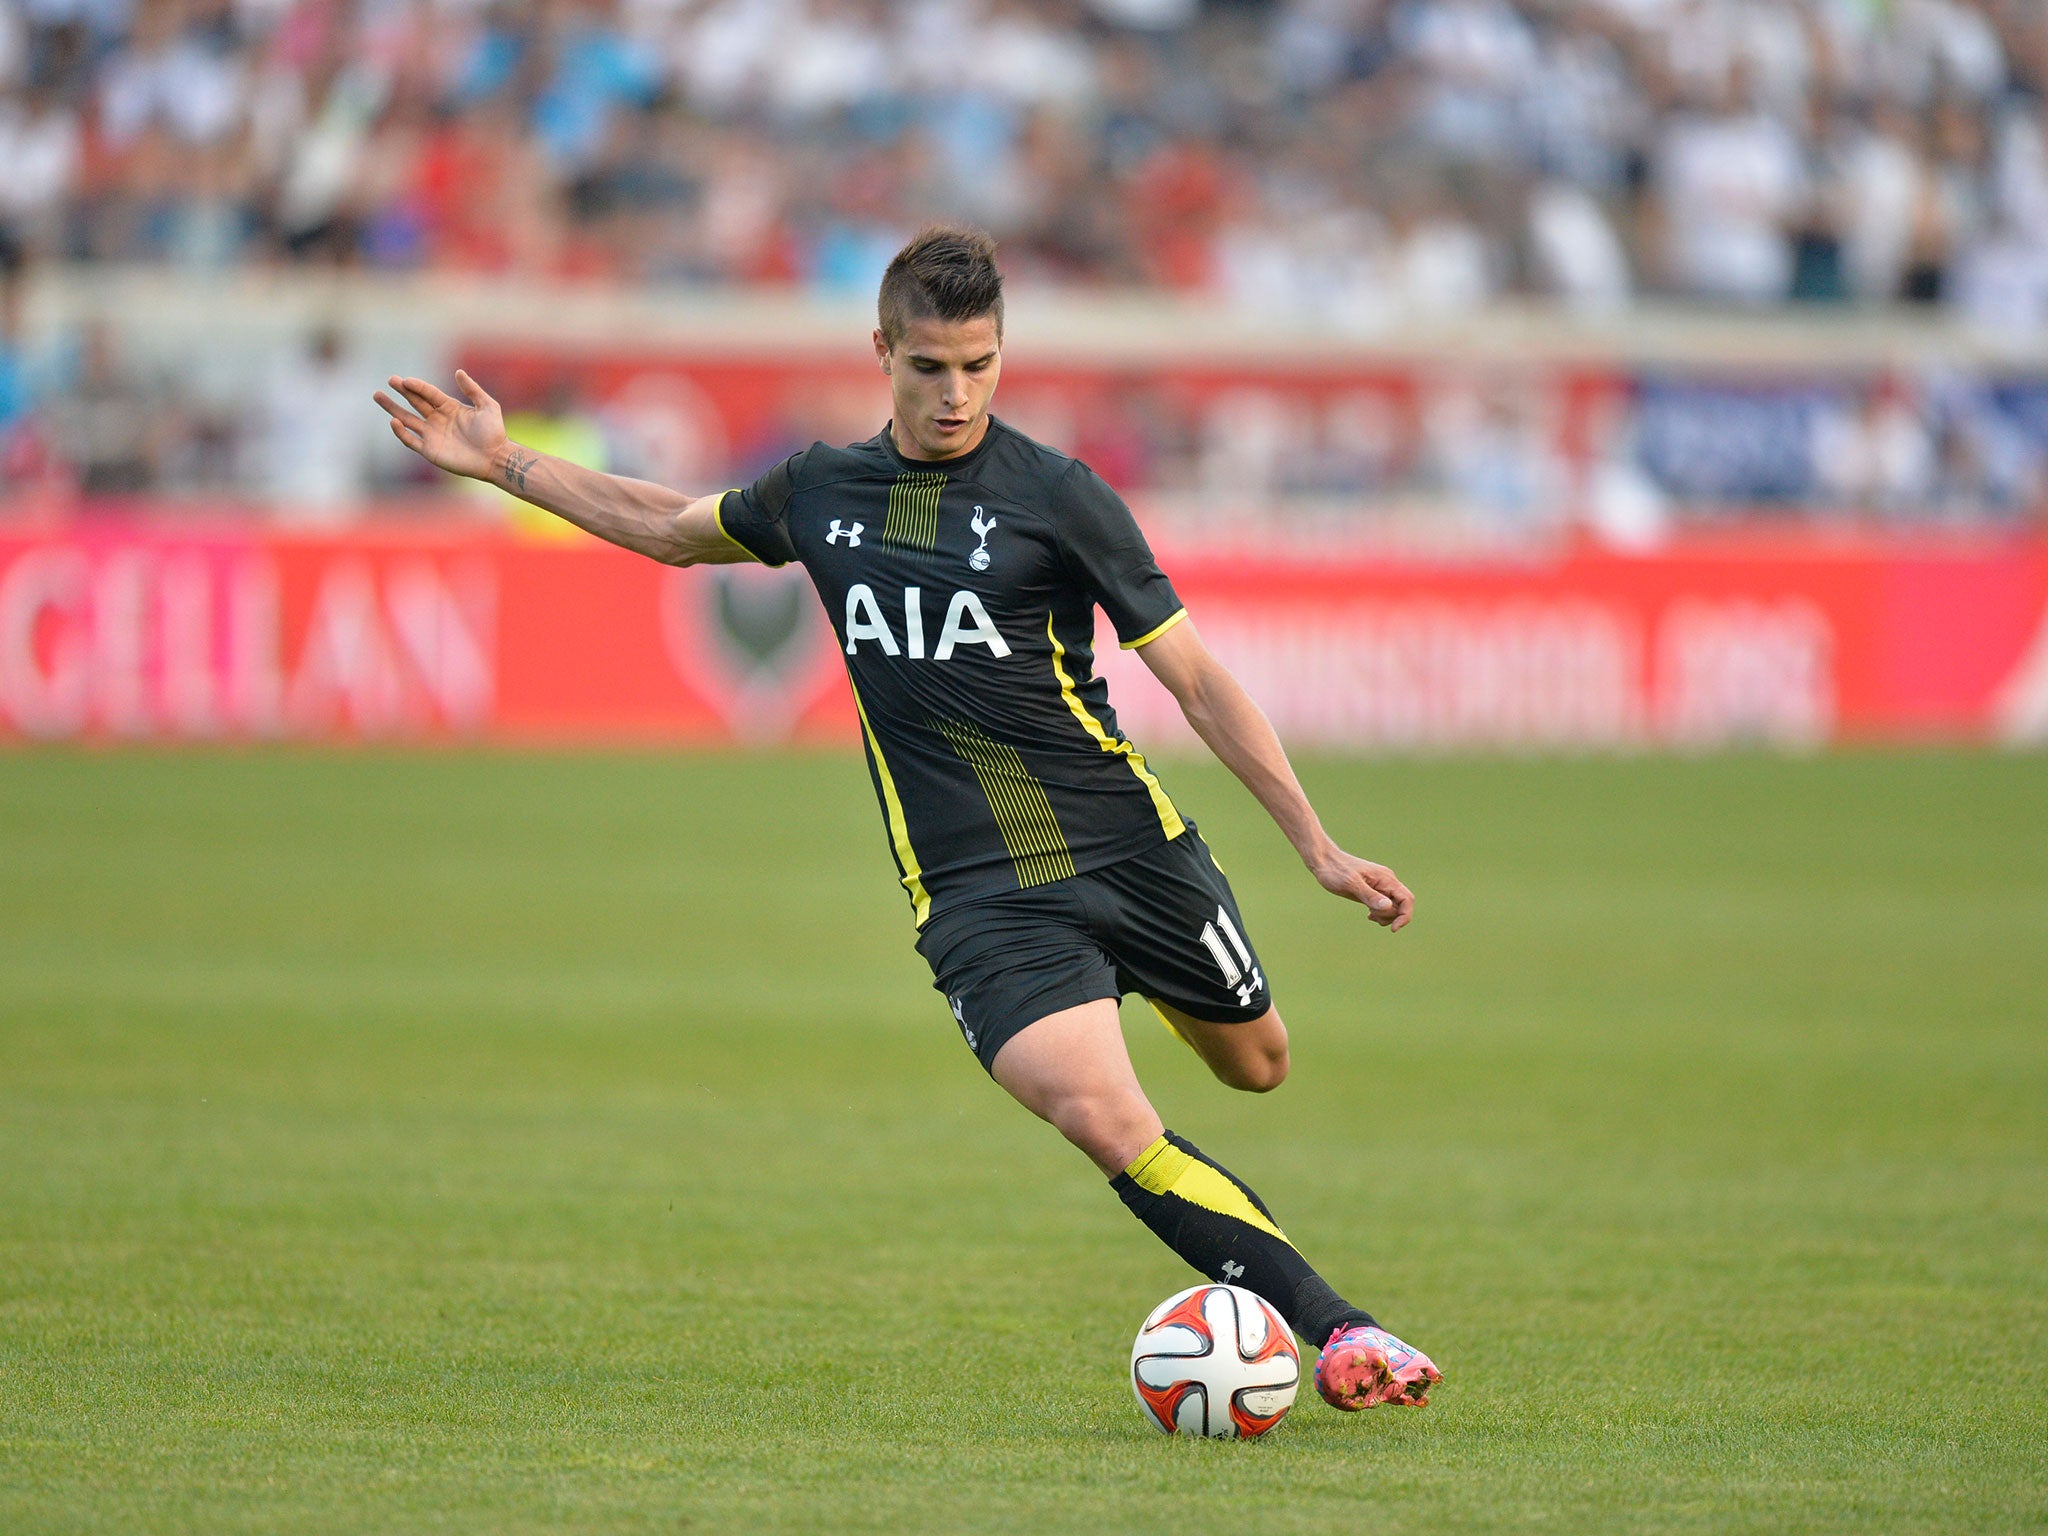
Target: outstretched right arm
x: 468, y: 438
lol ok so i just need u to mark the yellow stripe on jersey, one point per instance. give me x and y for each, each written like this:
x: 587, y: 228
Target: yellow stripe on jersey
x: 1169, y: 818
x: 913, y: 516
x: 892, y: 811
x: 1155, y: 632
x: 1023, y: 814
x: 1163, y: 1169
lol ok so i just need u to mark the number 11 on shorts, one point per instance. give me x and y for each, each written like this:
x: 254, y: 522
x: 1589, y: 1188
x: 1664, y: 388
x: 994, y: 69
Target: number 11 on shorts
x: 1235, y: 966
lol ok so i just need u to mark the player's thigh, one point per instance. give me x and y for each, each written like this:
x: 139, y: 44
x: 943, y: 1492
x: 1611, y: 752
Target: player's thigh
x: 1035, y: 998
x: 1004, y: 964
x: 1072, y: 1069
x: 1251, y: 1054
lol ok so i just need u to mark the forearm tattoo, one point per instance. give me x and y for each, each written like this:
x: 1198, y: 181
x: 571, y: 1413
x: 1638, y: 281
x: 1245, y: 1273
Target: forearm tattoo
x: 517, y: 462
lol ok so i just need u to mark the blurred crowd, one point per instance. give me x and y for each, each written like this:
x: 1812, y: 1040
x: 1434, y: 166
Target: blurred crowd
x: 1216, y: 454
x: 1353, y: 158
x: 1342, y: 163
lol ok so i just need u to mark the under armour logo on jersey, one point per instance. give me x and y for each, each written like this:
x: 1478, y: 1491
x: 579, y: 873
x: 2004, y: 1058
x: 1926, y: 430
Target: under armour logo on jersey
x: 851, y: 535
x: 960, y: 1018
x: 1247, y: 990
x: 1233, y: 1271
x: 983, y: 526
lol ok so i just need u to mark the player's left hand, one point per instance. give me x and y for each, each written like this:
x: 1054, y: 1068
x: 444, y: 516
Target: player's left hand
x: 1374, y: 886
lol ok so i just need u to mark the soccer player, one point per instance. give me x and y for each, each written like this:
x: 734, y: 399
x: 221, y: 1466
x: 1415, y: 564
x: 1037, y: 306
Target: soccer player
x: 1048, y: 870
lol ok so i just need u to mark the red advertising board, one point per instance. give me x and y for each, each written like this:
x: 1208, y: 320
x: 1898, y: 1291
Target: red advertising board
x: 138, y: 630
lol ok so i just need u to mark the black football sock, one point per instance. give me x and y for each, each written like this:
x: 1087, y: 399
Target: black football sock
x: 1204, y: 1213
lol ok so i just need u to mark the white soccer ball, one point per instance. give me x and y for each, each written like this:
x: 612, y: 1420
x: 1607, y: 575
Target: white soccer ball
x: 1215, y: 1360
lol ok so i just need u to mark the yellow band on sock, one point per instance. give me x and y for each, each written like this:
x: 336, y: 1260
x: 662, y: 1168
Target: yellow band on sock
x: 1163, y: 1169
x: 1157, y: 1166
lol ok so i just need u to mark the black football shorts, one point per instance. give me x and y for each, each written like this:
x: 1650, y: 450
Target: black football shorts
x: 1163, y: 924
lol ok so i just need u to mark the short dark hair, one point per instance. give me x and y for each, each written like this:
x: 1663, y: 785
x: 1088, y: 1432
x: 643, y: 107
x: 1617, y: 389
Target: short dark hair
x: 947, y: 273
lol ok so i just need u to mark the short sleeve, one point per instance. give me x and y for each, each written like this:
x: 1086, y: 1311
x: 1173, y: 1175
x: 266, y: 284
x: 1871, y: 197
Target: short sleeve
x: 1108, y: 554
x: 757, y: 518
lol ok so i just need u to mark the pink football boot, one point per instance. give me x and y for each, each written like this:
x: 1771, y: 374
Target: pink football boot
x: 1362, y: 1367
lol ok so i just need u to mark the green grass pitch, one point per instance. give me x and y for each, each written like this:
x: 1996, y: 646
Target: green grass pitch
x: 474, y: 1142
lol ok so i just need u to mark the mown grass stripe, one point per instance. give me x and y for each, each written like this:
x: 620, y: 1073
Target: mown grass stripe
x: 402, y: 1142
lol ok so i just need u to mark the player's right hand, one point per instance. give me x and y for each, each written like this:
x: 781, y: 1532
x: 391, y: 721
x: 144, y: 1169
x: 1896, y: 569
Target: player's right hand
x: 464, y: 438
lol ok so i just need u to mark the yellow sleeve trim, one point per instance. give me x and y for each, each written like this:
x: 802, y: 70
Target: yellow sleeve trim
x: 1153, y: 634
x: 718, y: 517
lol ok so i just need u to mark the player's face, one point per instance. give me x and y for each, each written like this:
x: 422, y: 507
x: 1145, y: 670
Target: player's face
x: 942, y: 374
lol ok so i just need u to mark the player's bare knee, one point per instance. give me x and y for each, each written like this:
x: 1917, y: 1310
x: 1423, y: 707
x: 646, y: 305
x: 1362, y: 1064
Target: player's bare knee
x: 1108, y: 1130
x: 1271, y: 1071
x: 1257, y: 1060
x: 1258, y: 1071
x: 1093, y: 1125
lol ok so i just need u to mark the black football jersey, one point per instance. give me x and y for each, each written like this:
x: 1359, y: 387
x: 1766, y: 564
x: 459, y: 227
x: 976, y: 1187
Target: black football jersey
x: 963, y: 592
